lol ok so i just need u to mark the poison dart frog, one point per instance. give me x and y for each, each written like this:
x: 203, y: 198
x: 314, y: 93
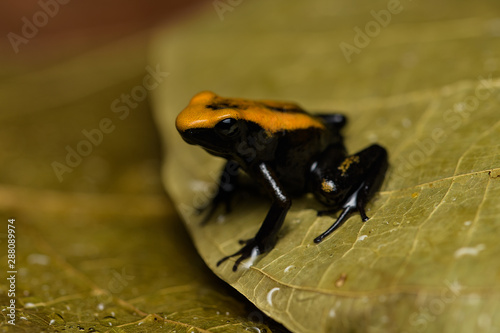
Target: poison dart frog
x: 289, y: 152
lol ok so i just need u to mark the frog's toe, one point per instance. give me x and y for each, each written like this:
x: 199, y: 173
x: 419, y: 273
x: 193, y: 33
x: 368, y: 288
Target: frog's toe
x: 245, y: 241
x: 250, y: 250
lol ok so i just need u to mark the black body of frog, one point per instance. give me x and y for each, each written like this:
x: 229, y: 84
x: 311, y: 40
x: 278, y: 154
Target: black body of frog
x: 288, y: 152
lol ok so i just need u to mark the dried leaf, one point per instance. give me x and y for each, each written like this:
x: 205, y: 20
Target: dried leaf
x: 426, y: 87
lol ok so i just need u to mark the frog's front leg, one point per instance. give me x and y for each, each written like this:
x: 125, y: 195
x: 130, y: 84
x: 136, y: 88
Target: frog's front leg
x: 227, y: 184
x: 265, y: 239
x: 351, y: 184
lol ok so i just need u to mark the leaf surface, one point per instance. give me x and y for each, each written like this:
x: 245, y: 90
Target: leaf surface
x: 426, y: 87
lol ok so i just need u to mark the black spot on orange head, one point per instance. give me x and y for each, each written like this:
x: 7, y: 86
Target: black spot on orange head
x: 225, y: 105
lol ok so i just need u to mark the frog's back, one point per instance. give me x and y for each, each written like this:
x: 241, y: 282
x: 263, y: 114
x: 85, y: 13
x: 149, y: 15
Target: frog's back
x: 206, y: 109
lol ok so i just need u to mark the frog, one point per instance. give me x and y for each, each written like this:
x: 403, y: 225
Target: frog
x: 289, y: 153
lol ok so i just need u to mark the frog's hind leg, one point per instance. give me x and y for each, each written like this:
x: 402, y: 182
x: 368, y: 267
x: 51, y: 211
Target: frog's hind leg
x: 352, y: 184
x: 349, y: 207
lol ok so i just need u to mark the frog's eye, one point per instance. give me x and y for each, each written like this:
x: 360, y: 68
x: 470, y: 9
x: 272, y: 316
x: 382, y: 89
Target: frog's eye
x: 227, y: 128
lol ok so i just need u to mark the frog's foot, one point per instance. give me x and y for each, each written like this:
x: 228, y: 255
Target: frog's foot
x: 356, y: 202
x: 251, y: 249
x: 222, y: 197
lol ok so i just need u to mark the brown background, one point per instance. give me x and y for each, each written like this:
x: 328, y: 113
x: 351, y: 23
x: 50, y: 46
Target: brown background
x: 80, y: 25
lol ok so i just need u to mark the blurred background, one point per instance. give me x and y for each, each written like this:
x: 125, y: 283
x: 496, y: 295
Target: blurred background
x: 60, y: 76
x: 75, y: 26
